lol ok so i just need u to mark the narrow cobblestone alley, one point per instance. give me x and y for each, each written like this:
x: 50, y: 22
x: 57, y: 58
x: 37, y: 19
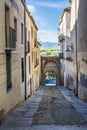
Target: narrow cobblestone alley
x: 43, y: 65
x: 50, y: 108
x: 54, y: 109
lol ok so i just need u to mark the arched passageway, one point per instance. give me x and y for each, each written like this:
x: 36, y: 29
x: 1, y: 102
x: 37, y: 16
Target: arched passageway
x: 50, y: 78
x: 50, y: 64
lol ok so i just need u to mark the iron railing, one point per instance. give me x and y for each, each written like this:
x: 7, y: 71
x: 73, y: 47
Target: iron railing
x: 10, y: 38
x: 35, y: 43
x: 28, y: 47
x: 61, y: 55
x: 61, y: 38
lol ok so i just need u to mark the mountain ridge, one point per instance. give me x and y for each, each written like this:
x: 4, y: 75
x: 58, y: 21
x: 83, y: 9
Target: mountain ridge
x: 53, y: 45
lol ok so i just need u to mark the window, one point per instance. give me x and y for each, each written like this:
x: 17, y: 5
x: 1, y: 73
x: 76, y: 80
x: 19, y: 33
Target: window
x: 22, y: 33
x: 35, y: 59
x: 7, y: 16
x: 32, y: 56
x: 29, y: 40
x: 8, y: 71
x: 29, y: 64
x: 10, y: 33
x: 7, y: 23
x: 15, y: 27
x: 22, y: 68
x: 31, y: 32
x: 26, y: 35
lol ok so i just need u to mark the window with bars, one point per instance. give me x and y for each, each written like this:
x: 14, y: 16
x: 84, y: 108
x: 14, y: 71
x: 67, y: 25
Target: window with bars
x: 22, y: 68
x: 15, y: 27
x: 32, y: 32
x: 10, y: 33
x: 29, y: 65
x: 8, y: 71
x: 22, y: 33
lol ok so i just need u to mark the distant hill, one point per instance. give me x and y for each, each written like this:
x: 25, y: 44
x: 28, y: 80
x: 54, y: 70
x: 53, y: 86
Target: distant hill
x: 45, y: 45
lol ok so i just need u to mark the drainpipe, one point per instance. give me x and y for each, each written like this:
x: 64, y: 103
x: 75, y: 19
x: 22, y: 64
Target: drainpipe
x: 25, y: 50
x: 76, y: 92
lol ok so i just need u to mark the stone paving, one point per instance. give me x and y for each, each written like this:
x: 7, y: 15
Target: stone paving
x: 78, y: 104
x: 54, y: 109
x: 21, y: 119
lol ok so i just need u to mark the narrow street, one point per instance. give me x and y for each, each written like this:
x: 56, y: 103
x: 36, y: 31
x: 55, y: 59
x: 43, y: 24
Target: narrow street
x: 50, y: 108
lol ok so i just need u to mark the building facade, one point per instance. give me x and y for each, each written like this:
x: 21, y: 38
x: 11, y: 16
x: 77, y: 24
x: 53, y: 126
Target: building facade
x: 35, y: 56
x: 17, y: 69
x: 76, y: 69
x: 10, y: 70
x: 28, y: 54
x: 21, y: 32
x: 82, y: 49
x: 64, y: 41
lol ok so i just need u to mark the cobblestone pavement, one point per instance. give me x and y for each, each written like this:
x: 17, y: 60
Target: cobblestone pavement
x: 54, y: 109
x: 78, y: 104
x: 50, y: 108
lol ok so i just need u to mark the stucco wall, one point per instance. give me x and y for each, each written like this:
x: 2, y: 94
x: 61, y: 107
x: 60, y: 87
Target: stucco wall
x: 82, y: 49
x: 9, y: 99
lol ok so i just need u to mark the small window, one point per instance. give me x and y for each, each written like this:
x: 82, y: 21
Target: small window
x: 22, y: 34
x: 35, y: 59
x: 31, y: 32
x: 22, y: 68
x: 7, y: 16
x: 26, y: 35
x: 29, y: 64
x: 8, y: 71
x: 7, y: 23
x: 15, y: 27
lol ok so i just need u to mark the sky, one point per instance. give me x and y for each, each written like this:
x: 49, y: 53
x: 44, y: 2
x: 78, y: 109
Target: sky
x: 46, y: 14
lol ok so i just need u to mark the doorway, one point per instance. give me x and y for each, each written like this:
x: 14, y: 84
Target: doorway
x: 50, y: 78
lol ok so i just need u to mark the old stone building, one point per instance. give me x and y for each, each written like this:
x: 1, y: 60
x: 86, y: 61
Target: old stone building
x: 82, y: 49
x: 64, y: 41
x: 27, y: 54
x: 76, y: 68
x: 35, y: 56
x: 10, y: 65
x: 19, y: 55
x: 21, y: 32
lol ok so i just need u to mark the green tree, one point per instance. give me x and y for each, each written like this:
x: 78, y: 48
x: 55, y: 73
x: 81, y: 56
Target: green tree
x: 49, y: 52
x: 50, y: 74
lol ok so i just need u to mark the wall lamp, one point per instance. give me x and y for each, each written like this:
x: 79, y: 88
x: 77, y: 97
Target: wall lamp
x: 69, y: 48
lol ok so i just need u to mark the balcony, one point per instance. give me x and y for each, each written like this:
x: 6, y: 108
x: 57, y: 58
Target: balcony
x: 37, y: 61
x: 10, y: 39
x: 28, y: 47
x: 69, y: 56
x: 36, y: 43
x: 61, y: 38
x: 61, y: 55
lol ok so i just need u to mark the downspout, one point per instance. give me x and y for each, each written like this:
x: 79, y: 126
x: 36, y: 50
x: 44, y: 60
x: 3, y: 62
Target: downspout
x: 76, y: 92
x: 25, y: 48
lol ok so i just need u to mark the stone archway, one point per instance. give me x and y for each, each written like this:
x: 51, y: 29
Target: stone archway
x: 50, y: 64
x: 51, y: 78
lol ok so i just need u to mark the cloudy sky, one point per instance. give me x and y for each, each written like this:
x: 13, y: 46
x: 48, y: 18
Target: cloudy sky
x: 46, y: 14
